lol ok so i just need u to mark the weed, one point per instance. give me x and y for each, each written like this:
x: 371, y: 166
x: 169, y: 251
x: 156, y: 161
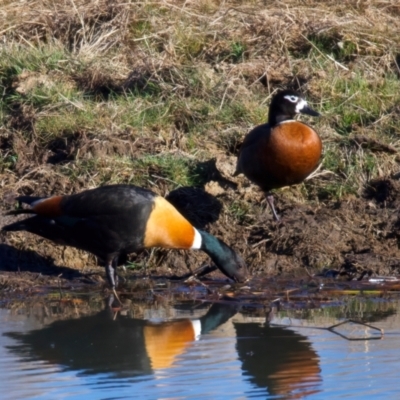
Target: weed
x: 7, y: 162
x: 238, y: 51
x: 239, y: 210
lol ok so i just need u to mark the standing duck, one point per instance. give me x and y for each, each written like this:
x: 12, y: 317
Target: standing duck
x: 119, y: 219
x: 282, y: 152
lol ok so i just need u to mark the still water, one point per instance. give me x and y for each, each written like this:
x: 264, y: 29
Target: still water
x: 193, y: 351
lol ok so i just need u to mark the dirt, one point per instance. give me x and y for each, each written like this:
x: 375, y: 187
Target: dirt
x: 351, y: 239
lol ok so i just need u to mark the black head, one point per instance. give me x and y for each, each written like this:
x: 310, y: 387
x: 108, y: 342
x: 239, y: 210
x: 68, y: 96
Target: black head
x: 234, y: 267
x: 224, y: 257
x: 286, y: 104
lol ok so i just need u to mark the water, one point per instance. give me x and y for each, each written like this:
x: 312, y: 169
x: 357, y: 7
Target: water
x: 192, y: 352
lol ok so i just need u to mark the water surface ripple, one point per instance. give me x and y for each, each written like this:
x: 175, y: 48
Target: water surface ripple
x: 215, y: 353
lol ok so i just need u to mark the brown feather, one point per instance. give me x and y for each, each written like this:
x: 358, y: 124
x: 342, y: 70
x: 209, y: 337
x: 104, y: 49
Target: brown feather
x: 50, y: 207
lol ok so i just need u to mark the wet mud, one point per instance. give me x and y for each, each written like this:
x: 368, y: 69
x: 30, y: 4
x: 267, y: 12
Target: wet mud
x: 351, y: 240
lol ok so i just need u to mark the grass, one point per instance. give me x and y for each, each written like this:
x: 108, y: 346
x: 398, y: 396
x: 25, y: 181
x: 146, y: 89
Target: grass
x: 166, y: 171
x: 146, y: 92
x: 361, y: 101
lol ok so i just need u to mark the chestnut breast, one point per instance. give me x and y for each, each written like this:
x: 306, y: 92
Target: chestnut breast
x: 282, y: 156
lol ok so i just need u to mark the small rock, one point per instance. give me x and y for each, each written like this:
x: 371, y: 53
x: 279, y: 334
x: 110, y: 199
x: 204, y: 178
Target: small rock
x: 214, y: 188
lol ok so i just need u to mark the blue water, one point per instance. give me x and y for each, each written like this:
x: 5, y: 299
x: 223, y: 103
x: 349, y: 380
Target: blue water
x: 214, y: 352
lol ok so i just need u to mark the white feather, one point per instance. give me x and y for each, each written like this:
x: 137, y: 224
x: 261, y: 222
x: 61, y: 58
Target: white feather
x: 197, y: 240
x: 300, y: 105
x: 197, y: 328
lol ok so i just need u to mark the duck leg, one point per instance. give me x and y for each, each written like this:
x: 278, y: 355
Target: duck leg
x: 270, y: 200
x: 111, y: 271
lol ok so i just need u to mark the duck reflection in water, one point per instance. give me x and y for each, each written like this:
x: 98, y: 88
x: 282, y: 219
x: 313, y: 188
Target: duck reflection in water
x: 276, y: 359
x: 279, y: 359
x: 122, y: 346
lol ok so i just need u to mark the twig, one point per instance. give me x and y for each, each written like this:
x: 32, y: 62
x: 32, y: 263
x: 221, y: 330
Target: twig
x: 332, y: 329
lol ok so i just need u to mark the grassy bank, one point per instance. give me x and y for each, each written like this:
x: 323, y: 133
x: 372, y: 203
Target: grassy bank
x: 161, y: 93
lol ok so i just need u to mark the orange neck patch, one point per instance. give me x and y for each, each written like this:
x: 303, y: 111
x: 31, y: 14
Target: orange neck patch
x: 49, y: 207
x: 167, y: 228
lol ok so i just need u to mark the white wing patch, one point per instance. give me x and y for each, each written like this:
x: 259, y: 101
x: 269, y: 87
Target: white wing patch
x: 197, y: 240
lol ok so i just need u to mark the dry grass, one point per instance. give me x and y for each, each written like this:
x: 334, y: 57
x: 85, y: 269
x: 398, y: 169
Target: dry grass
x: 149, y: 92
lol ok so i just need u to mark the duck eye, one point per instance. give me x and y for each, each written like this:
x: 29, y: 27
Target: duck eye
x: 291, y: 98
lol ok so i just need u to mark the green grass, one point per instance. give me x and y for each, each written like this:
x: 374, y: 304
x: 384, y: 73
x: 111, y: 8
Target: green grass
x: 238, y: 50
x: 7, y: 162
x: 352, y: 166
x: 364, y: 101
x: 178, y: 171
x: 180, y: 84
x: 239, y: 210
x: 168, y: 171
x: 42, y: 58
x: 331, y: 43
x: 67, y: 121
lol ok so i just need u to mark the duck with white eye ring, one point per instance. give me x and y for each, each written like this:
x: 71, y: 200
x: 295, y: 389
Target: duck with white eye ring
x: 282, y: 152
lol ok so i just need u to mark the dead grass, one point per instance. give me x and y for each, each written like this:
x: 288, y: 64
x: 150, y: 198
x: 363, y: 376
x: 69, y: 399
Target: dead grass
x: 150, y: 92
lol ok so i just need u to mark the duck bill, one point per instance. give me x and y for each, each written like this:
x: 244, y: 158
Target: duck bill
x: 309, y: 111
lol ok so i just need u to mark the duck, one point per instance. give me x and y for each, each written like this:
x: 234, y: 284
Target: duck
x: 115, y: 220
x: 283, y: 151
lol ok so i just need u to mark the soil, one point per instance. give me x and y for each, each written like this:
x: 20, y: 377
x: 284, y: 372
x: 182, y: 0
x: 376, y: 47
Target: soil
x: 351, y: 239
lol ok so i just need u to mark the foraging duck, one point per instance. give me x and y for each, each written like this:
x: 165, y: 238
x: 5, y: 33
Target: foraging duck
x: 120, y: 219
x: 282, y: 152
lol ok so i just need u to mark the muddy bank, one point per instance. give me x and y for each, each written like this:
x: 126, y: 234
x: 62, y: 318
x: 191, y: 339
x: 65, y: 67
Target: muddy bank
x: 356, y: 237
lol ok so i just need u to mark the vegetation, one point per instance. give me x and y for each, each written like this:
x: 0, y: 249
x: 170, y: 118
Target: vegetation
x: 150, y: 92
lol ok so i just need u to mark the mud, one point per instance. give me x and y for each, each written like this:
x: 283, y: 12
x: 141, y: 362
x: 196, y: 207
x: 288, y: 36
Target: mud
x: 350, y: 240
